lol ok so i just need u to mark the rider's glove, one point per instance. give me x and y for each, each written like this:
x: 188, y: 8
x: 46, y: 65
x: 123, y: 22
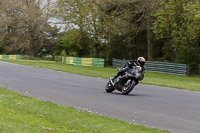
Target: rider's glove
x: 123, y: 69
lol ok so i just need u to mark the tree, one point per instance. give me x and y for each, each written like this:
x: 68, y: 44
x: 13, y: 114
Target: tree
x: 133, y: 20
x: 69, y: 42
x: 25, y: 28
x: 111, y: 23
x: 178, y: 23
x: 149, y: 9
x: 87, y: 18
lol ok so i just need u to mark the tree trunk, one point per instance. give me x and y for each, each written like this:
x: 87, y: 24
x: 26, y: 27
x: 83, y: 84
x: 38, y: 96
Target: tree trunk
x: 149, y: 40
x: 97, y: 50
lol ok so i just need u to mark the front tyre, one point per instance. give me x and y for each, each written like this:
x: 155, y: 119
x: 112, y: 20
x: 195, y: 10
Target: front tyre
x: 128, y: 87
x: 109, y: 88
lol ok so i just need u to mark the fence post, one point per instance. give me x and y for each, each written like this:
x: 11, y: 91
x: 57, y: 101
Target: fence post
x: 188, y: 70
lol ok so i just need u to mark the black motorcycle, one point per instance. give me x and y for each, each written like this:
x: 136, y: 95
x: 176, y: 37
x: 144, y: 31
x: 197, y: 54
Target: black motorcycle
x: 126, y: 82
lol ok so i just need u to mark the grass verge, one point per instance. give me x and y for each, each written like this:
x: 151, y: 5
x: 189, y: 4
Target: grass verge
x: 22, y: 114
x: 152, y: 78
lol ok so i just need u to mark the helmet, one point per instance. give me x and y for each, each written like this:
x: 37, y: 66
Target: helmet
x: 141, y: 61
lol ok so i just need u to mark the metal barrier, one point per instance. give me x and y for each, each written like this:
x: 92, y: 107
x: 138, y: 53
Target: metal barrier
x: 12, y: 57
x: 170, y: 68
x: 99, y: 62
x: 118, y: 62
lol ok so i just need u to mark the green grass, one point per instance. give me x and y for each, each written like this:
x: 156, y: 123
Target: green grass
x: 22, y: 114
x: 174, y: 81
x: 152, y: 78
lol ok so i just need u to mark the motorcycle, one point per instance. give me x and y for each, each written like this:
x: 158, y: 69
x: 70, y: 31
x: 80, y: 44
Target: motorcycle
x: 126, y: 82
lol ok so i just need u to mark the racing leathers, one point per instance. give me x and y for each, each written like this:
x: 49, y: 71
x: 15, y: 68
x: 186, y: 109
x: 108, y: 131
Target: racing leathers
x: 128, y: 65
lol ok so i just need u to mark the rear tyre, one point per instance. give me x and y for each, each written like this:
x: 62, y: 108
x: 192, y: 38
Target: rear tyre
x: 128, y: 87
x: 109, y: 88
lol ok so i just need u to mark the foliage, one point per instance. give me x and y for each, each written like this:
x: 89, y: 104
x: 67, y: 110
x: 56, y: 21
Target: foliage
x: 78, y: 38
x: 102, y: 21
x: 155, y: 29
x: 178, y: 23
x: 176, y: 20
x: 25, y: 28
x: 74, y: 44
x: 66, y: 44
x: 189, y: 56
x: 2, y: 47
x: 127, y: 20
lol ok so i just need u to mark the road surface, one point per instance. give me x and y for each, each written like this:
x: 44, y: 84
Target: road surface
x: 159, y: 107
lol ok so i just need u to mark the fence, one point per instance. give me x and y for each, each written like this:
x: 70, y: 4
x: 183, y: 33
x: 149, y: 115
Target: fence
x: 99, y: 62
x: 12, y: 57
x: 170, y: 68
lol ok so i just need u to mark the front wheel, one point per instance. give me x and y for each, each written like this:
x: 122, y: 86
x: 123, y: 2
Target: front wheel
x: 128, y: 87
x: 109, y: 88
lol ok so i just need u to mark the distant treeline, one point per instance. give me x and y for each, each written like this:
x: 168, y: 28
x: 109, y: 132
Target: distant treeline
x: 125, y: 29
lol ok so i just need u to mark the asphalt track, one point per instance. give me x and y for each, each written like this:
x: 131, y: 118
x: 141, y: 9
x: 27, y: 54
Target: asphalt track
x: 160, y: 107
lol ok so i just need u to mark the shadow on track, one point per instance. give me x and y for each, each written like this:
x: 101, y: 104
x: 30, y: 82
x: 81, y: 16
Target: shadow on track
x: 118, y: 93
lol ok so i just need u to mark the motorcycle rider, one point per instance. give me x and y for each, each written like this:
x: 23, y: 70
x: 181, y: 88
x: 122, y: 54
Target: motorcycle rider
x: 139, y: 62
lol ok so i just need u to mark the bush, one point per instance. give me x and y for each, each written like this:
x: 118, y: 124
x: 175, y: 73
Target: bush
x: 191, y: 57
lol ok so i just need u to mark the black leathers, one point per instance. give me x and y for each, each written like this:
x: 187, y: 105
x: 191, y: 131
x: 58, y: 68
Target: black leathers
x: 129, y: 64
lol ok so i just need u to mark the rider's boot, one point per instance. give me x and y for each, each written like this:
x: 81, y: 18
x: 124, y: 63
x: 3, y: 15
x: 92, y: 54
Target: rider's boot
x: 112, y: 80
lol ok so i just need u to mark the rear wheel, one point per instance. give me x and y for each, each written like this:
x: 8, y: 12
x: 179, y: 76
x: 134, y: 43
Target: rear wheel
x: 109, y: 88
x: 128, y: 87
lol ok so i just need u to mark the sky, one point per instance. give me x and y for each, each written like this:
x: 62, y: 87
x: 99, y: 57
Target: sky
x: 53, y: 21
